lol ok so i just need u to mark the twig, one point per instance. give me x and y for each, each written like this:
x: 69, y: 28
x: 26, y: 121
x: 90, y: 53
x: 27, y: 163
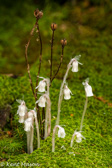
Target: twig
x: 63, y: 42
x: 51, y: 54
x: 26, y: 57
x: 40, y: 57
x: 59, y: 64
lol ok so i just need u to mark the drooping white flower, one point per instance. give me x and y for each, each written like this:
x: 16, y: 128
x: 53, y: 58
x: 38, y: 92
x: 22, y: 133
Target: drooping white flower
x: 61, y: 132
x: 78, y: 140
x: 22, y: 109
x: 75, y: 66
x: 28, y: 124
x: 42, y: 101
x: 75, y: 63
x: 41, y: 86
x: 67, y: 93
x: 79, y: 136
x: 32, y: 113
x: 88, y: 88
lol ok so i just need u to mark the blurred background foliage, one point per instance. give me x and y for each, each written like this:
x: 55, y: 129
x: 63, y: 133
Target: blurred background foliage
x: 75, y: 18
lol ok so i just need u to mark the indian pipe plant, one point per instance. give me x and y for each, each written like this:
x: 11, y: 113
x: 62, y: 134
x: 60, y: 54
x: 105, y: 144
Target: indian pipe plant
x: 40, y: 115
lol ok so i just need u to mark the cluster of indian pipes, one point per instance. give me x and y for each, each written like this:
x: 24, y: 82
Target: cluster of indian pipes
x: 40, y: 116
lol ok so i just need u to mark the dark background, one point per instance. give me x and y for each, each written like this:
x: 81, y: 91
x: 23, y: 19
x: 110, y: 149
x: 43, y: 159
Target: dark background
x: 16, y: 21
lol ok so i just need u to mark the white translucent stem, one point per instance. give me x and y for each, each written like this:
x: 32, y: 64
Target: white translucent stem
x: 49, y: 122
x: 84, y: 111
x: 53, y: 137
x: 61, y: 92
x: 28, y: 142
x: 48, y: 112
x: 31, y: 139
x: 48, y: 83
x: 71, y: 144
x: 46, y: 117
x: 38, y: 134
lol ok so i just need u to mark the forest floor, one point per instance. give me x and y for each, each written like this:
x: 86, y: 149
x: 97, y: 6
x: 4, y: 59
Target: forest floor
x: 88, y: 31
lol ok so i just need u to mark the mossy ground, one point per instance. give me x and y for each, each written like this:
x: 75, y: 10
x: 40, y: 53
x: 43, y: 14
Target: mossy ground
x: 88, y: 32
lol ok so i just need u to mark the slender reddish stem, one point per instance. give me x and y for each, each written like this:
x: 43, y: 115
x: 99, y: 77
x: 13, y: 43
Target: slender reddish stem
x: 40, y: 60
x: 59, y: 64
x: 26, y: 57
x: 40, y: 57
x: 51, y: 55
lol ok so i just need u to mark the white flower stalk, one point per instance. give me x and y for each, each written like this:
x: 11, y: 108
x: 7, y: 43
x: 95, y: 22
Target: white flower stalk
x: 37, y: 128
x: 48, y: 118
x: 75, y: 64
x: 62, y: 86
x: 88, y: 91
x: 42, y: 101
x: 41, y: 86
x: 48, y: 110
x: 88, y: 88
x: 61, y: 134
x: 30, y: 130
x: 67, y: 93
x: 31, y: 139
x: 28, y: 141
x: 78, y: 136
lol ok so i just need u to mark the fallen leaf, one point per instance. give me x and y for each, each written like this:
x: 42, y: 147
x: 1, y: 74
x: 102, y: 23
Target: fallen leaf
x: 103, y: 100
